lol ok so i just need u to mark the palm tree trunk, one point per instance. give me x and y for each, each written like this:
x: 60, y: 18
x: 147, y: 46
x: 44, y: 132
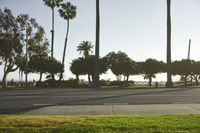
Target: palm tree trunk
x: 52, y: 39
x: 52, y: 34
x: 127, y: 78
x: 40, y: 77
x: 185, y: 80
x: 150, y: 81
x: 96, y: 72
x: 65, y: 46
x: 89, y: 79
x: 169, y: 76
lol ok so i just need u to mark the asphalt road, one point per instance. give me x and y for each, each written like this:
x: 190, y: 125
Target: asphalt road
x: 22, y: 100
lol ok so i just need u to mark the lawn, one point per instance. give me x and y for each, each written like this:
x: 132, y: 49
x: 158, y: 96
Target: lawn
x: 101, y: 124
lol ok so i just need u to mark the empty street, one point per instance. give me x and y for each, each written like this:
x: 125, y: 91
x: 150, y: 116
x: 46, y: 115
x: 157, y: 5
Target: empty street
x: 22, y: 100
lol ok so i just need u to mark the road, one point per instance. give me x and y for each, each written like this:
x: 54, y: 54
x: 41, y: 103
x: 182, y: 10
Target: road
x: 21, y: 100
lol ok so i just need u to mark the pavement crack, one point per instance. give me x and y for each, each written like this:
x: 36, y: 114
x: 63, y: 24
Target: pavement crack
x: 112, y: 106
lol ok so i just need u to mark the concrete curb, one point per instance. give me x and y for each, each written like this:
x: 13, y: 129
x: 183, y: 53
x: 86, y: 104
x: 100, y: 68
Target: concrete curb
x: 117, y: 109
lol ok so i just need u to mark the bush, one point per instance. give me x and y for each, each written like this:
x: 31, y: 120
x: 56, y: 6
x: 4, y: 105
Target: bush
x: 104, y: 82
x: 68, y: 83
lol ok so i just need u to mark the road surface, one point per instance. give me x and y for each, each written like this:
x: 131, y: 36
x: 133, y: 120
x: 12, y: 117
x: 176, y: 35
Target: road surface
x: 23, y: 100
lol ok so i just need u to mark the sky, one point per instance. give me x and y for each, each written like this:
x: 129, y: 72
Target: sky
x: 137, y: 27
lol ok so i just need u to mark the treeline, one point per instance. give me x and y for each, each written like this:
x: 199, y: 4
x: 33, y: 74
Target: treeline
x: 24, y: 47
x: 123, y: 67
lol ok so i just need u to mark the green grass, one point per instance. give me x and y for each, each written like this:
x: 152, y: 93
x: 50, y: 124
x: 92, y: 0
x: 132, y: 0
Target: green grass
x: 101, y: 124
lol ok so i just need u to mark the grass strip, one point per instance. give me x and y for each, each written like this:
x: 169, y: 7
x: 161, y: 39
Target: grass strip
x: 100, y: 124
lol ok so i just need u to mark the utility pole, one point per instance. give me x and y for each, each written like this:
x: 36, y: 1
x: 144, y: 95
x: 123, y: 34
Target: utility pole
x: 189, y: 47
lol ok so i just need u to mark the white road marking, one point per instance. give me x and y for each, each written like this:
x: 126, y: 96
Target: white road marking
x: 41, y: 104
x: 115, y: 103
x: 184, y: 102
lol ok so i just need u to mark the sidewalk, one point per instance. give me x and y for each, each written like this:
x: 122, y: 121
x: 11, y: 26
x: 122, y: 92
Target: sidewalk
x: 117, y: 109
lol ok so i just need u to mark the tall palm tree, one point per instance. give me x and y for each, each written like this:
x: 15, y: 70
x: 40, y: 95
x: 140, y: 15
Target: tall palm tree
x: 67, y: 12
x: 169, y: 75
x: 52, y: 4
x: 85, y: 47
x: 96, y: 70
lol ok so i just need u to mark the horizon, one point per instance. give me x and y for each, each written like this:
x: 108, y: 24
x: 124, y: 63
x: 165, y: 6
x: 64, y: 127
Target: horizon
x: 128, y: 33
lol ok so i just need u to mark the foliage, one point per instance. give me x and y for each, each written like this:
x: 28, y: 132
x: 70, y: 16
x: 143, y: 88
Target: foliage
x: 36, y: 43
x: 10, y: 42
x: 54, y: 66
x: 196, y: 71
x: 77, y: 67
x: 56, y: 83
x: 52, y: 3
x: 187, y: 69
x: 121, y: 64
x: 82, y: 66
x: 85, y: 47
x: 151, y: 67
x: 67, y: 12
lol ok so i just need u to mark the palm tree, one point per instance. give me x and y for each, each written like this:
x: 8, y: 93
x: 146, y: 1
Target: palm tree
x: 52, y: 4
x: 169, y: 76
x: 85, y: 48
x: 67, y: 12
x: 96, y: 69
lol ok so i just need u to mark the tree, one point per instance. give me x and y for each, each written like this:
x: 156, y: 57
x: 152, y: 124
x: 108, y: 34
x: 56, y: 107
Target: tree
x: 169, y: 76
x: 52, y: 4
x: 38, y: 44
x: 151, y: 67
x: 77, y: 67
x: 38, y: 64
x: 90, y: 67
x: 96, y: 73
x: 85, y: 47
x: 43, y: 65
x: 121, y: 64
x: 27, y: 26
x: 67, y: 12
x: 196, y: 71
x: 54, y: 66
x: 37, y: 52
x: 182, y: 68
x: 10, y: 42
x: 82, y: 66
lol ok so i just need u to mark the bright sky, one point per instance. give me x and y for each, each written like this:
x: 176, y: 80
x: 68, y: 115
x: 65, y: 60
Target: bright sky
x: 137, y: 27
